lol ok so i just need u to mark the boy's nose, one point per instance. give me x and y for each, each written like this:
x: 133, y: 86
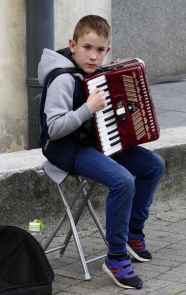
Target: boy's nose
x: 93, y: 56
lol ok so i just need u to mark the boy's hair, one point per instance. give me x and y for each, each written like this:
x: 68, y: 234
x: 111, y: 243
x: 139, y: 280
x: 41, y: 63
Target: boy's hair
x: 90, y: 23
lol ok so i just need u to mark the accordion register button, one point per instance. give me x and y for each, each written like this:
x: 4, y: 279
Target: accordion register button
x: 120, y: 111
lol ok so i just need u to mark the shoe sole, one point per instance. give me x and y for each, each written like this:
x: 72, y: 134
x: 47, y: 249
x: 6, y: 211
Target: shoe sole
x: 135, y: 255
x: 109, y: 273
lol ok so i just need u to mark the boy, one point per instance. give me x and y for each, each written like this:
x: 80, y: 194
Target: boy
x: 68, y: 143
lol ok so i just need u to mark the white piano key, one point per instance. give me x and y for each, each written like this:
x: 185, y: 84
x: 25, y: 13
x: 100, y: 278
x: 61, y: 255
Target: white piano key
x: 93, y: 87
x: 113, y: 150
x: 109, y: 137
x: 97, y: 80
x: 104, y: 87
x: 105, y: 117
x: 108, y: 100
x: 106, y: 108
x: 108, y: 131
x: 104, y: 127
x: 110, y: 143
x: 103, y: 113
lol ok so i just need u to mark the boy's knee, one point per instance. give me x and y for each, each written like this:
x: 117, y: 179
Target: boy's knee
x: 160, y: 164
x: 127, y: 183
x: 122, y: 176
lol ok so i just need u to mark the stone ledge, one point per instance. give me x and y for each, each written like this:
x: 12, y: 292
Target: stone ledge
x: 18, y: 162
x: 26, y: 193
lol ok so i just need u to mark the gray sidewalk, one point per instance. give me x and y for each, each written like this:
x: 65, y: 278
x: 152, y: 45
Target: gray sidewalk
x: 170, y: 104
x: 164, y: 275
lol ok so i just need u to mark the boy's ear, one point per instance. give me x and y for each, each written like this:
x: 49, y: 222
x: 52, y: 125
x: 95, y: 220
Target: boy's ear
x: 72, y: 45
x: 108, y: 49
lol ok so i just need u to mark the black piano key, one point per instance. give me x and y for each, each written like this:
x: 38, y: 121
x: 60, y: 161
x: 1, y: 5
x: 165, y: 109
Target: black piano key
x: 102, y: 84
x: 116, y: 142
x: 111, y: 117
x: 108, y: 110
x: 110, y: 124
x: 112, y: 137
x: 112, y: 131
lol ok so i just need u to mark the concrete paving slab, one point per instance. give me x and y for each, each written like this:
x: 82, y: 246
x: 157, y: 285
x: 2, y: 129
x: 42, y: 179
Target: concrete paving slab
x: 164, y: 275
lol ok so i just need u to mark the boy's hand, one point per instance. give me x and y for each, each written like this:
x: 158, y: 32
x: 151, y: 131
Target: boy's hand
x: 96, y: 100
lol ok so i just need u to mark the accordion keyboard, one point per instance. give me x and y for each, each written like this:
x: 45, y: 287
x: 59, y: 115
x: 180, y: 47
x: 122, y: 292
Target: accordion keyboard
x: 105, y: 119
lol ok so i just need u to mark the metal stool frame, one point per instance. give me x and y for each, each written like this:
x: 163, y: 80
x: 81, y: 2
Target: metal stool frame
x: 81, y: 182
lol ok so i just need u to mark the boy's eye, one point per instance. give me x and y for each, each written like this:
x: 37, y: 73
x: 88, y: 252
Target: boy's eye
x: 101, y: 49
x: 87, y: 47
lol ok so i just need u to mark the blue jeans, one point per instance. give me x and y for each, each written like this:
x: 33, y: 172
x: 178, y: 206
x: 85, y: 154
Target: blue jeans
x: 129, y: 197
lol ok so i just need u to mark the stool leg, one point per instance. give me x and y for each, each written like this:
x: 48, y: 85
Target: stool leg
x: 73, y: 222
x: 93, y: 213
x: 52, y: 235
x: 77, y: 241
x: 76, y: 219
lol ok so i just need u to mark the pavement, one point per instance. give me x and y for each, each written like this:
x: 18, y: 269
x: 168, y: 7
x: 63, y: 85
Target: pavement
x: 170, y: 103
x: 165, y: 230
x: 165, y: 274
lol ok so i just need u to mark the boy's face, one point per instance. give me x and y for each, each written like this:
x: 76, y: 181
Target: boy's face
x: 89, y: 51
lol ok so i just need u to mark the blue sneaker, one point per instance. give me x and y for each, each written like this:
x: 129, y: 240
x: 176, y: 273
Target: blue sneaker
x: 122, y: 272
x: 136, y: 247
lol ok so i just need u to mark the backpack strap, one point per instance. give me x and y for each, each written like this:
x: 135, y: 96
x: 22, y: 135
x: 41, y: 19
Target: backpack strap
x: 60, y: 71
x: 49, y: 79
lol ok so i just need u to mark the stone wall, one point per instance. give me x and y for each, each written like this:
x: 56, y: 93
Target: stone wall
x: 154, y: 31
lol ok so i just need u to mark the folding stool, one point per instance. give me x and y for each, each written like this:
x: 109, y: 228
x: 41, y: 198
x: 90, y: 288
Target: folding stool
x: 59, y: 176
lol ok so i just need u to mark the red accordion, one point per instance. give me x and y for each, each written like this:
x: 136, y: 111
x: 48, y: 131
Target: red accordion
x: 129, y: 118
